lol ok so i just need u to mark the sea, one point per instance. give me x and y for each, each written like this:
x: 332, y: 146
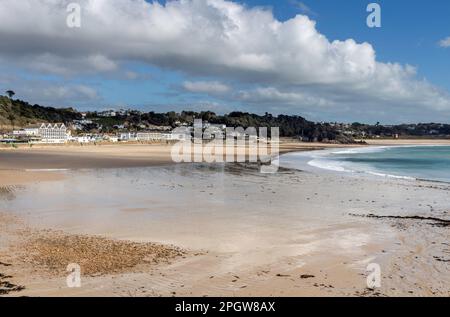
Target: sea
x: 406, y: 162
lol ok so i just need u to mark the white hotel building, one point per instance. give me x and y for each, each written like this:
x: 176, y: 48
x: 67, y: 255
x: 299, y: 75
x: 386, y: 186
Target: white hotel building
x: 53, y: 133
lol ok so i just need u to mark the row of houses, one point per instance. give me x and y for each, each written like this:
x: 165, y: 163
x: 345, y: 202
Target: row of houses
x: 60, y: 134
x: 152, y: 136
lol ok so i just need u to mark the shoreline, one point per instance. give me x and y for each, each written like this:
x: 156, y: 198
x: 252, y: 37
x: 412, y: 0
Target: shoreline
x: 51, y: 157
x: 335, y: 166
x: 140, y: 155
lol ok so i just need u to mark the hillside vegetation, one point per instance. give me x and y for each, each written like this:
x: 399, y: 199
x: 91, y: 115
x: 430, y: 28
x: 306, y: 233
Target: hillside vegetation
x: 18, y: 113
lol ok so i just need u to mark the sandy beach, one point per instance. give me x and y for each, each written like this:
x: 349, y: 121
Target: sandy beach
x: 108, y: 156
x: 77, y: 157
x: 139, y: 225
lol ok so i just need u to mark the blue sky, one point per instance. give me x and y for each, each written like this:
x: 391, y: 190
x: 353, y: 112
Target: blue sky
x: 410, y: 32
x: 233, y: 55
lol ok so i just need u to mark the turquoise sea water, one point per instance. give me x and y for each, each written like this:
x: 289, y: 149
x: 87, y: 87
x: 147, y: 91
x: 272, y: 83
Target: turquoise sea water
x: 414, y: 162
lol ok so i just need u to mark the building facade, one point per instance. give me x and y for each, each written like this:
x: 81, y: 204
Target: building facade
x: 27, y: 132
x: 53, y: 133
x: 149, y: 136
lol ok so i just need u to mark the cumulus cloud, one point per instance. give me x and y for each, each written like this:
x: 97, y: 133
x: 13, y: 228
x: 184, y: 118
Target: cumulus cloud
x: 46, y: 93
x: 49, y: 93
x: 209, y: 87
x: 288, y: 62
x: 64, y: 92
x: 302, y: 7
x: 272, y: 95
x: 130, y: 75
x: 61, y: 65
x: 445, y: 42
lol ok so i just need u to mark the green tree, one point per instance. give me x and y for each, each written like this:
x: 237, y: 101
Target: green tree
x: 10, y: 93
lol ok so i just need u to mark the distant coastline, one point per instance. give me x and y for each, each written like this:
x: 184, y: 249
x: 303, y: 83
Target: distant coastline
x: 96, y: 126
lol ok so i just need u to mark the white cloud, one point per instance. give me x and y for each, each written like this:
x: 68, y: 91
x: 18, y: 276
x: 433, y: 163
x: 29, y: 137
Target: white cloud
x: 101, y: 63
x: 130, y: 75
x: 274, y: 96
x: 64, y: 92
x: 302, y: 7
x: 49, y: 93
x: 445, y: 42
x: 63, y: 65
x: 209, y: 87
x: 288, y: 62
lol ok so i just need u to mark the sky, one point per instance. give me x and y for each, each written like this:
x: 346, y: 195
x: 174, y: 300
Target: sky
x: 314, y: 58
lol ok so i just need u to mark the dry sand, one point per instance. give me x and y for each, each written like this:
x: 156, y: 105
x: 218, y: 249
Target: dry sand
x: 305, y: 254
x: 71, y: 157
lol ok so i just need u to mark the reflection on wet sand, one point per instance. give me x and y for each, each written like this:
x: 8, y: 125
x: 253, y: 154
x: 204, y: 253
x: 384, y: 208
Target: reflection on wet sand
x: 245, y: 233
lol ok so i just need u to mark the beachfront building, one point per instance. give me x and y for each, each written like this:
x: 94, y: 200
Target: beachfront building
x: 149, y: 136
x: 111, y: 138
x: 180, y: 136
x: 53, y: 133
x: 92, y: 138
x: 127, y: 137
x: 83, y: 139
x: 32, y: 131
x: 158, y: 136
x: 152, y: 136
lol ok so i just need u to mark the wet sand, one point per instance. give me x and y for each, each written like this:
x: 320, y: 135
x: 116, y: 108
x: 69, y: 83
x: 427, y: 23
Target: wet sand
x: 241, y: 233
